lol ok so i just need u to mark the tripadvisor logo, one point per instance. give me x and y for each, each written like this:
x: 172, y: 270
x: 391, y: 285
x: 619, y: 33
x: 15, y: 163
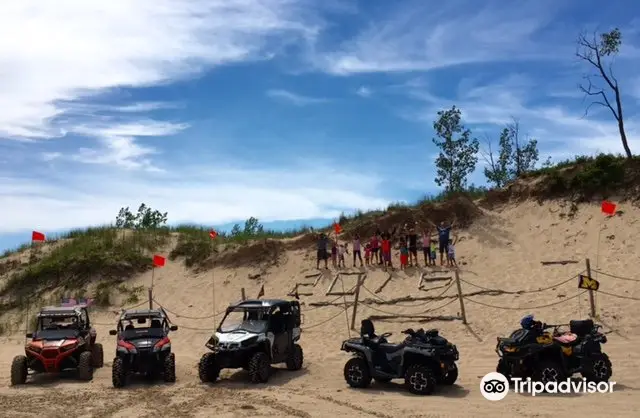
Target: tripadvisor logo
x: 495, y: 386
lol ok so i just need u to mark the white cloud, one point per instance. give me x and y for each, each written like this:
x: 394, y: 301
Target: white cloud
x: 211, y: 195
x: 118, y: 145
x: 425, y: 37
x: 294, y: 98
x: 562, y: 131
x: 63, y: 54
x: 364, y: 91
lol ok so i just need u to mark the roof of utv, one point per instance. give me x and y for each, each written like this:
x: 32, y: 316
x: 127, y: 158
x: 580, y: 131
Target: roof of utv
x: 137, y: 313
x: 60, y: 310
x: 260, y: 303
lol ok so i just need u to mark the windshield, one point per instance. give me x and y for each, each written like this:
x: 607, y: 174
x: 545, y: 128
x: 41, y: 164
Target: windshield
x: 141, y: 327
x: 58, y: 322
x: 251, y: 320
x: 57, y: 327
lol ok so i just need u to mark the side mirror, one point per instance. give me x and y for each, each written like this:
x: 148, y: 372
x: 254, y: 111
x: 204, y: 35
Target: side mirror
x: 113, y: 332
x: 29, y: 335
x: 173, y: 328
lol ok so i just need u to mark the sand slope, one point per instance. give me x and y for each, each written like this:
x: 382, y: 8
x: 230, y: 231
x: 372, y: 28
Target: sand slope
x: 502, y: 252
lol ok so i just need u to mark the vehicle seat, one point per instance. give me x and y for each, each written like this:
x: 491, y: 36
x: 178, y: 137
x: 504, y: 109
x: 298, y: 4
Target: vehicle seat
x: 568, y: 338
x: 155, y: 323
x: 129, y: 327
x: 368, y: 333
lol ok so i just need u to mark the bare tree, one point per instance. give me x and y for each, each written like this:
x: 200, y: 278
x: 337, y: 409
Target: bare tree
x: 593, y: 51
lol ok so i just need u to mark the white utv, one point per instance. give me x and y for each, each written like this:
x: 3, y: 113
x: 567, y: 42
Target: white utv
x: 253, y: 335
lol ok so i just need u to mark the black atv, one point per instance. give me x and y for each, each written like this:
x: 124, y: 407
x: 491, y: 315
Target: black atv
x: 143, y: 346
x: 553, y: 356
x: 424, y: 359
x: 253, y: 335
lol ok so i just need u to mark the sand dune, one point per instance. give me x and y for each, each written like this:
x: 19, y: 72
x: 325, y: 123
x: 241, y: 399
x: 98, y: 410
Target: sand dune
x: 502, y: 252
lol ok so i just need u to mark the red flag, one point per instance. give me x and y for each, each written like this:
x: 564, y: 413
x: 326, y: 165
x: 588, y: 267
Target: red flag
x: 337, y: 227
x: 213, y: 234
x: 37, y: 236
x: 608, y: 208
x: 158, y: 261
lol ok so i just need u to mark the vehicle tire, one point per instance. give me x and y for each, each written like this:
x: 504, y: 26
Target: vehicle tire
x: 382, y: 379
x: 208, y: 369
x: 548, y: 371
x: 451, y: 376
x: 259, y: 368
x: 295, y: 358
x: 19, y: 370
x: 118, y: 373
x: 85, y: 366
x: 169, y: 369
x: 597, y: 368
x: 420, y: 379
x: 357, y: 373
x: 97, y: 355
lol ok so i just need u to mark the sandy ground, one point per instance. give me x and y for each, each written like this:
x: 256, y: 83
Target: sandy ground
x: 503, y: 252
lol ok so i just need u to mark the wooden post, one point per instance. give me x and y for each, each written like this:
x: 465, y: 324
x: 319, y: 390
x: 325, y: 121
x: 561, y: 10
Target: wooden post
x: 462, y: 311
x: 150, y: 298
x: 355, y: 303
x: 242, y: 294
x: 592, y: 302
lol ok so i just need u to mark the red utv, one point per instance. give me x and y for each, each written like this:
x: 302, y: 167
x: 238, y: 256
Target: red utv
x: 63, y: 340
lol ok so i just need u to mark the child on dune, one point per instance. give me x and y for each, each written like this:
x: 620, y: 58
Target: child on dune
x: 404, y: 255
x: 367, y: 254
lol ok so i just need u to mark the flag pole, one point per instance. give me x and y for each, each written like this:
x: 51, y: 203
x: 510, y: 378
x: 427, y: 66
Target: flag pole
x: 213, y: 235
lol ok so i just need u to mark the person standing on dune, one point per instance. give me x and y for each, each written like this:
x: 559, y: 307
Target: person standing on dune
x: 444, y: 232
x: 323, y: 241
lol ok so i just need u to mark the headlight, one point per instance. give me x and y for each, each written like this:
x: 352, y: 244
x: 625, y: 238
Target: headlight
x: 247, y: 342
x: 67, y: 347
x: 34, y: 349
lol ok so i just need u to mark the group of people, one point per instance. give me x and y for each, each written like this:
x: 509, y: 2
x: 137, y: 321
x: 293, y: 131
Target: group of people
x: 411, y: 240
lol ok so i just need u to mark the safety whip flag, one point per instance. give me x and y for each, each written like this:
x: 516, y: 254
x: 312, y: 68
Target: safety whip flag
x: 213, y: 234
x: 337, y: 228
x: 261, y: 292
x: 37, y: 236
x: 608, y: 208
x: 158, y: 261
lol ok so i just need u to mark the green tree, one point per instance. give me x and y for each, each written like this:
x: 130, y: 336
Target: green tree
x: 458, y: 150
x: 236, y: 230
x: 125, y: 219
x: 252, y: 227
x: 595, y: 51
x: 145, y: 218
x: 515, y: 156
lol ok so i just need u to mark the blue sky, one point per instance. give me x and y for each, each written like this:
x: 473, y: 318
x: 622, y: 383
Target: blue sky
x: 285, y: 110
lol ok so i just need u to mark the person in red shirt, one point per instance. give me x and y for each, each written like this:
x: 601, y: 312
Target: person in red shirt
x: 386, y: 251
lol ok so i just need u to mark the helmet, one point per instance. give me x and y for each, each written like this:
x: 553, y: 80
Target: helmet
x: 527, y: 322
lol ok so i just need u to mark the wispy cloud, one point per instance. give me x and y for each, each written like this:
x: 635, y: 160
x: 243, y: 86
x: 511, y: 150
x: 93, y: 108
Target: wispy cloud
x: 422, y: 36
x: 294, y: 98
x: 562, y: 131
x: 213, y: 195
x: 71, y: 51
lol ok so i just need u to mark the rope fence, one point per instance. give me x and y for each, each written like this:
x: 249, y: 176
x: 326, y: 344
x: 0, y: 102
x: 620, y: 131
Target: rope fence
x: 586, y: 285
